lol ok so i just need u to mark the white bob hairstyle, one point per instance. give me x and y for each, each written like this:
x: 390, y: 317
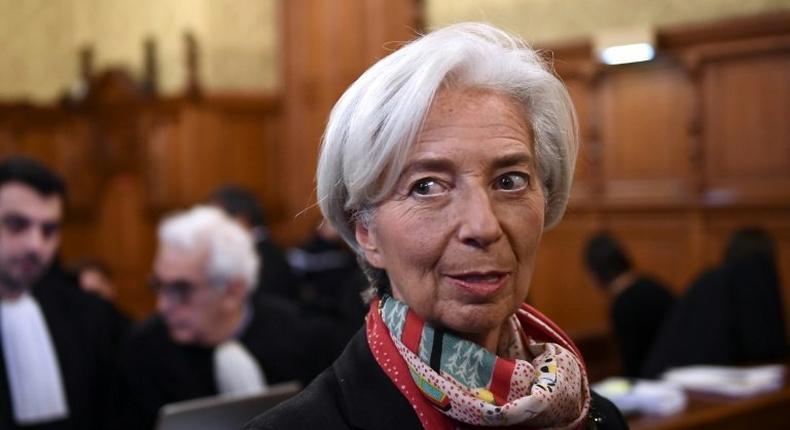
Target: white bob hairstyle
x: 230, y: 249
x: 376, y: 121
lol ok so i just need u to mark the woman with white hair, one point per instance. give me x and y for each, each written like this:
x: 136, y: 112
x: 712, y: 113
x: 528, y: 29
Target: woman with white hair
x: 441, y: 166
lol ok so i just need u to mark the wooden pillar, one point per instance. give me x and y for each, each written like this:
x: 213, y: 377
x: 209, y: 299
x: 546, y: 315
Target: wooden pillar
x: 325, y: 46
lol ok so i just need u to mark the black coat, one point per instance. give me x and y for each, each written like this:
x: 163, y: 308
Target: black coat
x: 638, y: 313
x: 156, y: 371
x: 275, y: 277
x: 356, y: 394
x: 729, y: 315
x: 85, y: 332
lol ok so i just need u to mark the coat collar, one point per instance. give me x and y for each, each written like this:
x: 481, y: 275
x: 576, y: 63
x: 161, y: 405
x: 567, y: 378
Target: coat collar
x: 370, y: 400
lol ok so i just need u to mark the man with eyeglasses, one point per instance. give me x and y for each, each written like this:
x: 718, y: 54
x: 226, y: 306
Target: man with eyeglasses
x: 57, y: 343
x: 208, y: 337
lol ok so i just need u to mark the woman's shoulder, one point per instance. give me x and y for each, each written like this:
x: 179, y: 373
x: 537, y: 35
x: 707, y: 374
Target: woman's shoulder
x: 604, y: 415
x: 315, y: 407
x: 353, y: 393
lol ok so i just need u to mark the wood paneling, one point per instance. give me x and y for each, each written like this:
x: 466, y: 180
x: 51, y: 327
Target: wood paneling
x: 326, y: 46
x: 129, y: 157
x: 561, y: 287
x: 747, y: 107
x: 645, y: 145
x: 128, y: 163
x: 189, y: 149
x: 585, y: 178
x: 676, y: 155
x: 656, y: 241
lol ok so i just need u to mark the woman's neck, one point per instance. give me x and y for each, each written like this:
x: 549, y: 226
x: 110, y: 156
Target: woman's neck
x: 488, y: 340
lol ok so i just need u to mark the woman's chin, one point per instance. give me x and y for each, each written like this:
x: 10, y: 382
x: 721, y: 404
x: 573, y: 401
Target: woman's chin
x: 474, y: 321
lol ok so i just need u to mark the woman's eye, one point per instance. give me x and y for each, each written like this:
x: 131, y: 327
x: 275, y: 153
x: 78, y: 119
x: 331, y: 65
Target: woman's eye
x: 512, y: 181
x: 426, y: 187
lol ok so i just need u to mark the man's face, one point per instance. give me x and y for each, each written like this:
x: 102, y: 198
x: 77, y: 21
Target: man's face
x: 191, y: 308
x: 29, y: 235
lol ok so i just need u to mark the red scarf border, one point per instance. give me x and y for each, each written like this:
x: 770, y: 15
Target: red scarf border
x: 535, y: 324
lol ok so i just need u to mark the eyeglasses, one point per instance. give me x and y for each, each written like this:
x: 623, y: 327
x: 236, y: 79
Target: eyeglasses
x: 179, y: 291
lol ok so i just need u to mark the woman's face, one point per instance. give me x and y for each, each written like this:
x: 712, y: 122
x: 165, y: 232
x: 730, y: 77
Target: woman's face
x: 459, y: 234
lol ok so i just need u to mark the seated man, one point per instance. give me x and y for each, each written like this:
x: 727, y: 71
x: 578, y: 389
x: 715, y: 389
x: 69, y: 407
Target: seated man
x: 208, y: 338
x: 57, y: 343
x: 640, y: 304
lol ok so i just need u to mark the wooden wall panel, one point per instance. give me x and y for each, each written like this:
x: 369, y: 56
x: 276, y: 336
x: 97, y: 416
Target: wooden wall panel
x: 161, y: 176
x: 190, y: 151
x: 561, y: 287
x: 124, y: 235
x: 660, y: 244
x: 645, y: 112
x: 676, y: 155
x: 326, y: 46
x: 747, y: 106
x: 128, y: 164
x: 585, y: 176
x: 61, y: 141
x: 713, y: 107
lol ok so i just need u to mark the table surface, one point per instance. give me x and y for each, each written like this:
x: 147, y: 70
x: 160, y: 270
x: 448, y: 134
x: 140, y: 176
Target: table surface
x: 706, y: 411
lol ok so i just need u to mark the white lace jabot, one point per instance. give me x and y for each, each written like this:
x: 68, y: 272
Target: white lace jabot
x: 34, y: 377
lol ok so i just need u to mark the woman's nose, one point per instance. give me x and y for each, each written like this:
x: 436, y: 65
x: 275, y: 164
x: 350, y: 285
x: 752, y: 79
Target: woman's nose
x: 479, y: 225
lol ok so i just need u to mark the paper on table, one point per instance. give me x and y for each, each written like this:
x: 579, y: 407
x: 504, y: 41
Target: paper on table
x: 642, y: 396
x: 728, y: 380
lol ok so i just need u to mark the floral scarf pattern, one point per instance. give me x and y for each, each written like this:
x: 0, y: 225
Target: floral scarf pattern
x: 535, y: 383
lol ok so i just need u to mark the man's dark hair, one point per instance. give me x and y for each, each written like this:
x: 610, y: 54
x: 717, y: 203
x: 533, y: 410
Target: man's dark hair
x: 750, y: 243
x: 239, y: 202
x: 605, y: 258
x: 33, y: 174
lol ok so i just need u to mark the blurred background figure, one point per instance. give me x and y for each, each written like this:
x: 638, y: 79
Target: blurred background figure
x: 58, y: 342
x: 331, y: 280
x: 207, y: 338
x: 95, y: 277
x: 731, y: 314
x: 275, y: 277
x: 639, y: 303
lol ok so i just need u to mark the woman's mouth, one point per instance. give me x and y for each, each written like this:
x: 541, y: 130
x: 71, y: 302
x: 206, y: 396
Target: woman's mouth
x: 480, y: 284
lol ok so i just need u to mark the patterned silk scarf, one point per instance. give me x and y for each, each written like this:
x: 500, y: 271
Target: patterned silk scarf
x: 530, y: 382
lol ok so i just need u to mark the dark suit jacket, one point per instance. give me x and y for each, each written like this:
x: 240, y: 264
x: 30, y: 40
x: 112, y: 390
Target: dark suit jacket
x: 275, y: 277
x: 85, y: 331
x: 356, y: 394
x: 637, y: 315
x: 156, y: 371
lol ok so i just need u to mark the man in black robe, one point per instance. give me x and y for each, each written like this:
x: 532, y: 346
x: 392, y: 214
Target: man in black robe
x: 208, y: 337
x: 731, y: 314
x: 639, y: 303
x: 57, y: 343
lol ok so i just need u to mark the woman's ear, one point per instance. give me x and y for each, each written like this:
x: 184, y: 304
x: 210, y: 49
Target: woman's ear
x: 367, y: 241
